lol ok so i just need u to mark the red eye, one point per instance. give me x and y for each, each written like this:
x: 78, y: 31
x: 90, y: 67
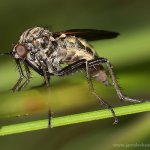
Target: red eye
x: 21, y: 50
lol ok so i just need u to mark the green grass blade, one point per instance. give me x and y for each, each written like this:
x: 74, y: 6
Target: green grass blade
x: 72, y: 119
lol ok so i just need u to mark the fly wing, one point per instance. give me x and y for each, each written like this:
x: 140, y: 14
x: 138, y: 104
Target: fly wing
x: 89, y: 34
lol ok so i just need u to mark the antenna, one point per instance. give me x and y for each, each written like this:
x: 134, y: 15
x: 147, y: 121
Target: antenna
x: 5, y: 53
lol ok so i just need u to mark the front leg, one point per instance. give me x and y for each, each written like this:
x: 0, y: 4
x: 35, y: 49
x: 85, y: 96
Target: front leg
x: 46, y: 79
x: 28, y: 76
x: 21, y: 76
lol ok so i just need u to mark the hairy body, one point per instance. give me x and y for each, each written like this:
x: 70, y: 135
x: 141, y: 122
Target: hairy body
x: 54, y: 51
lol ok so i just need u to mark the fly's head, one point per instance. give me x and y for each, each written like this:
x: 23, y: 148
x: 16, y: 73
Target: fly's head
x: 33, y: 41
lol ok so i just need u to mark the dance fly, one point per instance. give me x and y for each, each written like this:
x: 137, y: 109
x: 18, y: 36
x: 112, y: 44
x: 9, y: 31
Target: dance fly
x: 62, y: 53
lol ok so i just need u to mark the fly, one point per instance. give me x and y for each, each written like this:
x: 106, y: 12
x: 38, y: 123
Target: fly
x: 45, y: 52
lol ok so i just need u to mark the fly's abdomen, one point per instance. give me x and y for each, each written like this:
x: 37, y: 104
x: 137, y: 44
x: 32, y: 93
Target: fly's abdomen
x: 77, y: 49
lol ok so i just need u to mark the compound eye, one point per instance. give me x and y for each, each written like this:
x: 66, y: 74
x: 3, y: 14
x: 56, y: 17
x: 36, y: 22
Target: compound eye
x: 21, y: 51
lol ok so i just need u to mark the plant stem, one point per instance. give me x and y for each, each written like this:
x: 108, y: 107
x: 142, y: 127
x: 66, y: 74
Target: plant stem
x: 72, y: 119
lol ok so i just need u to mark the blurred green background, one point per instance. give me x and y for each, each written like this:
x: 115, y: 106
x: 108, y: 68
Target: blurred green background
x: 129, y: 53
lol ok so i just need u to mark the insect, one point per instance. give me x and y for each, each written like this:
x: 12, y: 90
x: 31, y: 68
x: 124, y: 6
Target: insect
x: 62, y: 53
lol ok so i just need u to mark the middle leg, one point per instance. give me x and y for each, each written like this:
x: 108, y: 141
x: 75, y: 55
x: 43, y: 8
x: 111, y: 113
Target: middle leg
x: 46, y: 79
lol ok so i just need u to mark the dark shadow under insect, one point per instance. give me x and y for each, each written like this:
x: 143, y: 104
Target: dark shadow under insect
x: 45, y: 52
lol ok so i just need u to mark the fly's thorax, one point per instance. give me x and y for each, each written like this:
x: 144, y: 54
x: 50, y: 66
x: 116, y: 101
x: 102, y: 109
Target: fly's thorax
x: 41, y: 46
x: 33, y: 33
x: 56, y: 57
x: 37, y: 39
x: 51, y: 56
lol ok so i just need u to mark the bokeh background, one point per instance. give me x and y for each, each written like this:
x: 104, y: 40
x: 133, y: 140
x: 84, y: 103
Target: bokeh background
x: 129, y: 53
